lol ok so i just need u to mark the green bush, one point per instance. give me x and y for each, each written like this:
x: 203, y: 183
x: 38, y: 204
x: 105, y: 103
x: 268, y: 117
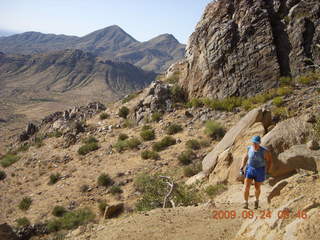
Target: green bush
x: 59, y: 211
x: 173, y: 129
x: 23, y: 222
x: 226, y: 104
x: 186, y: 157
x: 71, y: 220
x: 189, y: 171
x: 55, y: 134
x: 308, y: 78
x: 123, y: 112
x: 214, y: 190
x: 278, y: 101
x: 148, y: 134
x: 115, y: 189
x: 281, y: 112
x: 54, y: 178
x: 150, y: 155
x: 38, y: 141
x: 8, y: 159
x: 104, y: 180
x: 102, y: 207
x: 178, y: 94
x: 25, y: 203
x: 163, y: 144
x: 195, y: 102
x: 89, y: 147
x: 122, y: 136
x: 193, y: 144
x: 104, y: 116
x: 285, y: 81
x: 154, y: 189
x: 247, y: 104
x: 89, y: 140
x: 120, y: 145
x: 284, y: 91
x: 133, y: 143
x: 156, y: 117
x: 3, y: 175
x: 214, y: 130
x: 317, y: 127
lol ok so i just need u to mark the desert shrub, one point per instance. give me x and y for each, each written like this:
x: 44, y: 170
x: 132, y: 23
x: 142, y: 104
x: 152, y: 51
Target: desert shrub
x: 38, y: 141
x: 25, y: 203
x: 156, y: 116
x: 148, y: 134
x: 3, y: 175
x: 55, y: 134
x: 104, y: 180
x: 163, y: 144
x: 23, y: 148
x: 186, y: 157
x: 195, y: 102
x: 193, y: 144
x: 154, y: 189
x: 54, y: 178
x: 133, y: 143
x: 173, y: 128
x: 122, y: 136
x: 89, y: 140
x: 71, y: 220
x: 205, y: 142
x: 23, y: 222
x: 85, y: 149
x: 281, y: 112
x: 285, y: 81
x: 115, y: 189
x: 102, y: 207
x: 178, y: 94
x: 226, y: 104
x: 278, y: 101
x: 84, y: 188
x: 59, y: 211
x: 8, y: 159
x: 150, y: 155
x: 308, y: 78
x: 214, y: 190
x: 191, y: 170
x: 146, y: 127
x: 120, y: 145
x: 247, y: 104
x: 79, y: 126
x: 317, y: 127
x: 128, y: 123
x: 130, y: 97
x: 103, y: 116
x: 123, y: 112
x: 214, y: 130
x: 283, y: 91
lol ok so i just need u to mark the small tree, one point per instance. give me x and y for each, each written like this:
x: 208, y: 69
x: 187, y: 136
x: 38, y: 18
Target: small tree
x: 123, y: 112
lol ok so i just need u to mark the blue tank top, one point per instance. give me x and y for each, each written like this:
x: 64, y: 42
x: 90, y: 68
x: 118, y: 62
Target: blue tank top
x: 256, y: 158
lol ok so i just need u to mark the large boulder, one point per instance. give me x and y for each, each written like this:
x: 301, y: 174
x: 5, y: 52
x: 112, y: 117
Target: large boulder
x: 293, y: 131
x: 6, y: 232
x: 234, y: 138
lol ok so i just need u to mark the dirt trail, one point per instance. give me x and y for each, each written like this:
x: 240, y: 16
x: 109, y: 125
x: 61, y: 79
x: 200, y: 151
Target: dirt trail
x: 181, y: 223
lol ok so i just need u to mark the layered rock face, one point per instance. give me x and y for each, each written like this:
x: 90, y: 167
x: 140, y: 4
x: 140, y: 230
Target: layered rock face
x: 242, y: 47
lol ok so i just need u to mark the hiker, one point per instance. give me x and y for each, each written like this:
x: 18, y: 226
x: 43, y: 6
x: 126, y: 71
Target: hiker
x: 259, y: 164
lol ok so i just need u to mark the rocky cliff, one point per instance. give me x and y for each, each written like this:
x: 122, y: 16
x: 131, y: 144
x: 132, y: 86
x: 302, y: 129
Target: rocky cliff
x: 244, y: 47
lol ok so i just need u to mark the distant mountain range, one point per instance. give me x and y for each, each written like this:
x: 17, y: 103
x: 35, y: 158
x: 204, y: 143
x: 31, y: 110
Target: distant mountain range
x: 5, y: 33
x: 69, y: 71
x: 110, y: 43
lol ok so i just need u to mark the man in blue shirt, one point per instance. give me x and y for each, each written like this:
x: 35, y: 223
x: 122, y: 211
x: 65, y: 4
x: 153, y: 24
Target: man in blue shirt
x: 259, y: 163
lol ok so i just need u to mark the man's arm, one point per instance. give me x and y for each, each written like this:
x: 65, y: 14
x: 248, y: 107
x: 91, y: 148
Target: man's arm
x: 268, y: 158
x: 244, y: 161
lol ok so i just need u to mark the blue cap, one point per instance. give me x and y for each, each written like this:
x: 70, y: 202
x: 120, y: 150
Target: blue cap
x: 256, y: 139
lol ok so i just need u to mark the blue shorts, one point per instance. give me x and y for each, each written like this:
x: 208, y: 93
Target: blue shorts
x: 258, y: 174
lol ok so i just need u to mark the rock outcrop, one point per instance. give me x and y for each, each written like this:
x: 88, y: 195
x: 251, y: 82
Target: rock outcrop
x: 243, y: 47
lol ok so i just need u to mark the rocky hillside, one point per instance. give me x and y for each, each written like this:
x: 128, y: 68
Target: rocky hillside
x: 110, y: 43
x: 243, y: 47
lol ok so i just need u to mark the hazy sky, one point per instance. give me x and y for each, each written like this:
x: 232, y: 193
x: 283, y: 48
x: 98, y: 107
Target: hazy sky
x: 142, y: 19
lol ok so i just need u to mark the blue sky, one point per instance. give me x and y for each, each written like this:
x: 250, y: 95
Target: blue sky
x: 142, y: 19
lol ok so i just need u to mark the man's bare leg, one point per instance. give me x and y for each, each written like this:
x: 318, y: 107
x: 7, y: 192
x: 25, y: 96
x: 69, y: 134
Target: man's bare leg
x: 257, y: 186
x: 247, y: 184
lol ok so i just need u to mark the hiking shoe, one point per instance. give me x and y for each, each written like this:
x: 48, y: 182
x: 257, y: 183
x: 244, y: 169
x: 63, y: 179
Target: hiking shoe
x: 256, y: 204
x: 246, y: 205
